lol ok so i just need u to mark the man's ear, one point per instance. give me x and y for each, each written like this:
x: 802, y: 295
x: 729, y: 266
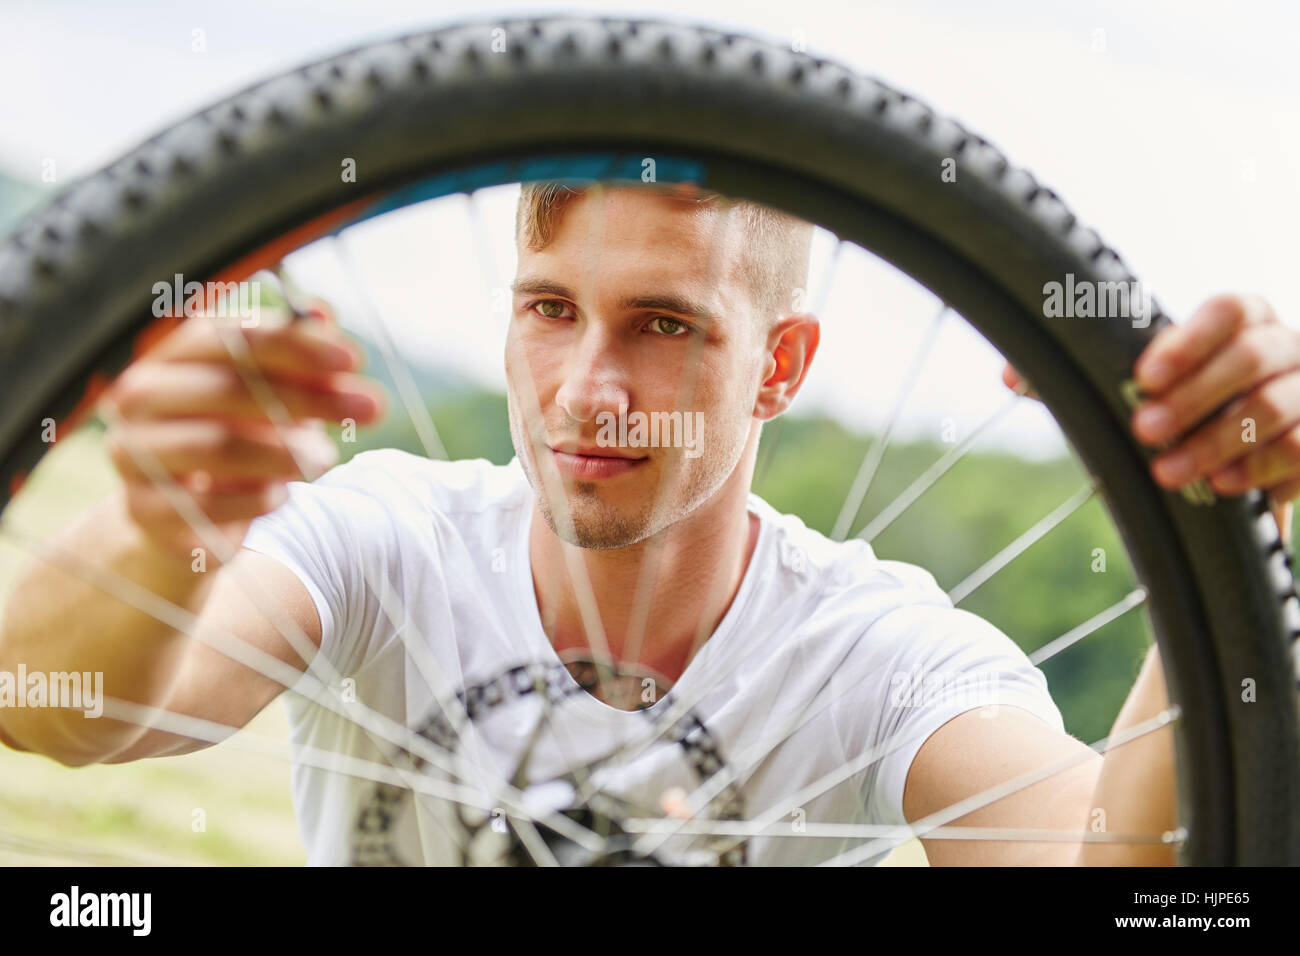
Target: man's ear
x: 791, y: 345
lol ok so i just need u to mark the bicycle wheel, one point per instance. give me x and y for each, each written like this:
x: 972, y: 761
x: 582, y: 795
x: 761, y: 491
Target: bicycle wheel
x: 474, y: 105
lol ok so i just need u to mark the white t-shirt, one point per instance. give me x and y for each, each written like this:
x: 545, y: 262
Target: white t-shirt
x: 804, y: 708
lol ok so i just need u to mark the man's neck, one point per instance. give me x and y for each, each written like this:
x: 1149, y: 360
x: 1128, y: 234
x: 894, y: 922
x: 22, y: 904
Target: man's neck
x: 692, y: 573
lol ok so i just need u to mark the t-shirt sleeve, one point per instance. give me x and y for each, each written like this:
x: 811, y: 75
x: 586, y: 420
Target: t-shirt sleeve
x: 327, y: 533
x: 950, y: 661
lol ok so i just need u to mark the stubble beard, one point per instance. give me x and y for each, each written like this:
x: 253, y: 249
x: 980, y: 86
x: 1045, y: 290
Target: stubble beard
x: 600, y: 525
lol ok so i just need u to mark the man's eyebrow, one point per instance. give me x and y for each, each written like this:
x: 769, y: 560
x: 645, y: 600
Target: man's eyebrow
x: 662, y: 302
x: 668, y: 302
x: 541, y: 287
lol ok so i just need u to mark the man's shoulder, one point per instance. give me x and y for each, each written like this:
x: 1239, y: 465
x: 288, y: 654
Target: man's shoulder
x: 845, y: 588
x: 882, y: 616
x: 842, y: 566
x: 467, y: 484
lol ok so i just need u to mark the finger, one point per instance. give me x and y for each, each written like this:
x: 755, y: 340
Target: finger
x: 1178, y: 350
x: 1016, y: 382
x: 1010, y: 377
x: 147, y: 504
x: 1257, y: 354
x: 155, y: 390
x: 1285, y: 493
x: 299, y: 349
x: 1282, y: 508
x: 1247, y: 422
x: 224, y: 454
x: 322, y: 310
x: 1271, y: 465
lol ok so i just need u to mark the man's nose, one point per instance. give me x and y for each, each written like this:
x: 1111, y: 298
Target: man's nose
x: 594, y: 377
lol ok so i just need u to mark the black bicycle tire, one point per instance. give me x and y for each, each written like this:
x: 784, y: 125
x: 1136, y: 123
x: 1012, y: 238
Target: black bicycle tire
x: 783, y: 127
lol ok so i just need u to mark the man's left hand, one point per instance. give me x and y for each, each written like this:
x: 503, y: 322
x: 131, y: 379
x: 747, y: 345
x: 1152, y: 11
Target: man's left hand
x: 1224, y: 387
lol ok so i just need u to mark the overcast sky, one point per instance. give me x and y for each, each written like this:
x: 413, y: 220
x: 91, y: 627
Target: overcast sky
x: 1171, y: 127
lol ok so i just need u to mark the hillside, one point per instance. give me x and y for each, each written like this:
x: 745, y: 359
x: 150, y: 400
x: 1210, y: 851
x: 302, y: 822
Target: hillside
x: 17, y: 197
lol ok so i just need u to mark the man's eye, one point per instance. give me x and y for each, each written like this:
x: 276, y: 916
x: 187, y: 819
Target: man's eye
x: 670, y: 326
x: 550, y: 308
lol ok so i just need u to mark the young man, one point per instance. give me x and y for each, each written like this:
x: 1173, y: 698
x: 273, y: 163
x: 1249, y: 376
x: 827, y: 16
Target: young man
x: 594, y: 598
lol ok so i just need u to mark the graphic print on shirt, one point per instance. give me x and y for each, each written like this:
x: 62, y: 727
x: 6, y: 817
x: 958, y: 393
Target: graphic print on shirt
x: 490, y: 837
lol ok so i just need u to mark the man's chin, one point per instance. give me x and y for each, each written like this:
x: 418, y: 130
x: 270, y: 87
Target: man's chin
x: 606, y: 531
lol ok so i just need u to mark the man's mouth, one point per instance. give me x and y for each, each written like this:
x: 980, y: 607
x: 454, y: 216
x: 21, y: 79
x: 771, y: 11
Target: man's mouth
x: 594, y: 463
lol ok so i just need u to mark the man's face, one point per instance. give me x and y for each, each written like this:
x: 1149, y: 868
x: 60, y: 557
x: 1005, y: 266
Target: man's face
x: 635, y: 307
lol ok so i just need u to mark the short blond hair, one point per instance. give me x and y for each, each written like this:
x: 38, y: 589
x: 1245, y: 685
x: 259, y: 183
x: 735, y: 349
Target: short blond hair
x: 775, y: 267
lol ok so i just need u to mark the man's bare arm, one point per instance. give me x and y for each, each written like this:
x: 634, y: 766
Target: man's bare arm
x: 1232, y: 361
x: 57, y: 621
x: 980, y: 749
x: 184, y: 413
x: 1137, y: 784
x: 1129, y: 790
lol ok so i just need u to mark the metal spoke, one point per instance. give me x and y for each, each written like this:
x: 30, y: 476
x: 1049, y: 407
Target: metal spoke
x: 196, y: 728
x: 867, y: 472
x: 394, y: 608
x: 988, y: 569
x: 767, y: 451
x: 407, y: 390
x: 818, y: 304
x: 211, y: 537
x: 185, y: 622
x: 946, y: 463
x: 330, y: 760
x: 418, y: 413
x: 419, y: 650
x: 481, y: 794
x: 681, y: 705
x: 279, y: 276
x: 229, y: 645
x: 643, y: 594
x: 1039, y: 529
x: 982, y: 799
x: 1133, y: 599
x: 264, y: 395
x: 648, y: 577
x: 653, y: 556
x: 315, y: 690
x: 932, y: 474
x: 861, y: 831
x: 742, y: 765
x: 423, y: 784
x: 976, y: 579
x: 482, y: 243
x: 534, y: 427
x: 553, y: 487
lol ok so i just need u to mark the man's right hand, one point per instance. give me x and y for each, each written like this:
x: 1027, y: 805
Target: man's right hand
x: 185, y: 406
